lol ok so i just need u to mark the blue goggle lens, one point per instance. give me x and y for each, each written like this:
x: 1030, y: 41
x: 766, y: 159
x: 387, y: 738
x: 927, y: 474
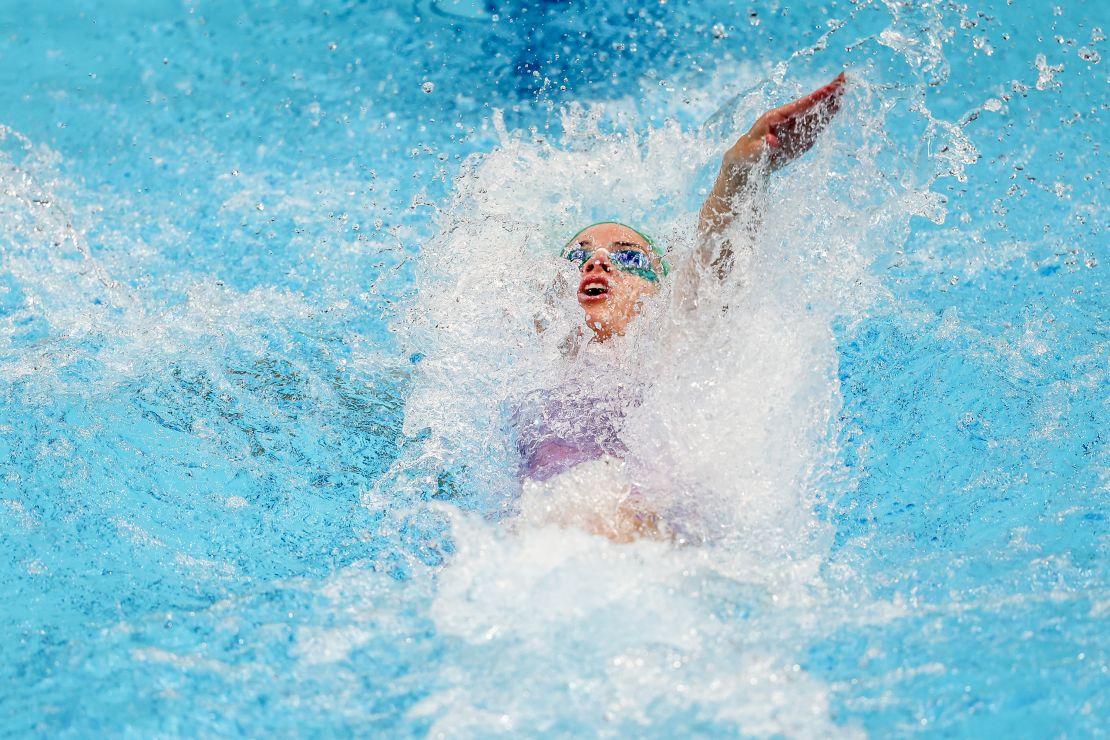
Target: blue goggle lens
x: 631, y: 258
x: 578, y: 255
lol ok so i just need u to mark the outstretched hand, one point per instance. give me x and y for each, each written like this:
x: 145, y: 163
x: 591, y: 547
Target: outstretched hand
x: 782, y: 135
x: 790, y: 130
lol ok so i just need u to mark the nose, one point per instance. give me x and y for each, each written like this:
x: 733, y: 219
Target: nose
x: 599, y: 260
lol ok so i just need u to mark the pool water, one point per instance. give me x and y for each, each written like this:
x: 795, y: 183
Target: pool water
x: 270, y: 276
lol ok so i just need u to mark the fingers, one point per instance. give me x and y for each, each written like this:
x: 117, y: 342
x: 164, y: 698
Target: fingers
x: 833, y: 90
x: 826, y: 99
x: 796, y: 126
x: 791, y: 130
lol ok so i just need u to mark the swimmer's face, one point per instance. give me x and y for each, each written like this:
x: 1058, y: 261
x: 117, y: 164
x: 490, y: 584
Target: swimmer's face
x: 611, y: 297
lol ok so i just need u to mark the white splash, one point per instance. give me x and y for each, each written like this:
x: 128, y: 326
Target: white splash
x: 735, y: 435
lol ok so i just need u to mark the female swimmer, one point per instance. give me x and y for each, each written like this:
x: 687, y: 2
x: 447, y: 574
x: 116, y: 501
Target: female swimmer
x: 569, y: 436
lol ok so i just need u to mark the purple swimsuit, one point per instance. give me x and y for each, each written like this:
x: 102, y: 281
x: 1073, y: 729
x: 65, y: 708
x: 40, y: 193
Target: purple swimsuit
x: 571, y: 424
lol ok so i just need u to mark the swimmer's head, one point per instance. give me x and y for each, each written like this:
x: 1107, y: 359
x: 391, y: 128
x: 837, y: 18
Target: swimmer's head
x: 618, y: 268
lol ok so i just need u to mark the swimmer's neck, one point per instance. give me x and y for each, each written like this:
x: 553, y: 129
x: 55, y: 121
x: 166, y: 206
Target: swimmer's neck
x: 584, y: 339
x: 603, y: 334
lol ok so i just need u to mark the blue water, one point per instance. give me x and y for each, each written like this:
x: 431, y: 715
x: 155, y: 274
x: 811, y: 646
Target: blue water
x: 252, y: 477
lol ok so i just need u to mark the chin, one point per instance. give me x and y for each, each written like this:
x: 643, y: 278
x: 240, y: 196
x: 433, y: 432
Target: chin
x: 605, y: 318
x: 596, y: 320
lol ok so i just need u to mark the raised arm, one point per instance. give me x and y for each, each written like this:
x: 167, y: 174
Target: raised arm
x: 781, y: 135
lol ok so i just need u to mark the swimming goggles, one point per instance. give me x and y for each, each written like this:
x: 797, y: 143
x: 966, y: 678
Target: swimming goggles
x: 650, y: 273
x: 633, y: 261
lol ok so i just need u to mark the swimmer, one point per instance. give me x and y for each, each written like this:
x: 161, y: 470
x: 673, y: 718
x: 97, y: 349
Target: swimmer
x: 569, y: 437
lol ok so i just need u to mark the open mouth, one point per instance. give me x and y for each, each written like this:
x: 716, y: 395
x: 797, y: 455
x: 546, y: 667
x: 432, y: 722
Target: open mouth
x: 593, y: 290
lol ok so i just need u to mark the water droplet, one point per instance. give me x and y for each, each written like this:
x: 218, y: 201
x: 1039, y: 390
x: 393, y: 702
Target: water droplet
x: 1089, y: 55
x: 428, y: 86
x: 260, y: 207
x: 1045, y: 79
